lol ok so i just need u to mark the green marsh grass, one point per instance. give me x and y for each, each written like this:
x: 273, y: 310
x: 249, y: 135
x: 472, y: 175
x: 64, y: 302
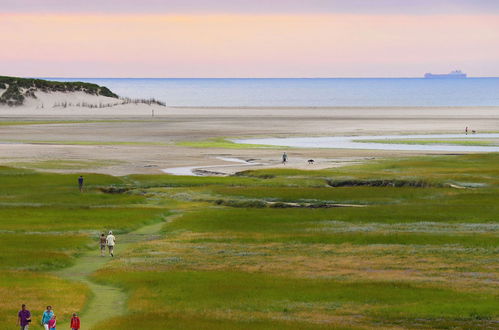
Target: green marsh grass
x: 430, y: 248
x: 360, y: 194
x: 149, y: 181
x: 46, y: 223
x: 248, y: 295
x: 414, y: 257
x: 37, y: 290
x: 223, y: 143
x: 22, y: 251
x: 194, y: 322
x: 432, y: 169
x: 76, y: 219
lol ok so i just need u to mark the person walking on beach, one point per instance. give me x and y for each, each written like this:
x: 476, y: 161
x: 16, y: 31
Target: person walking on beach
x: 110, y: 243
x: 284, y: 158
x: 103, y: 242
x: 80, y: 183
x: 466, y: 130
x: 46, y: 317
x: 52, y: 323
x: 75, y: 322
x: 23, y: 318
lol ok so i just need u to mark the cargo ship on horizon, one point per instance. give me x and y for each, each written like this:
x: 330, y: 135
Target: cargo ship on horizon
x: 456, y: 74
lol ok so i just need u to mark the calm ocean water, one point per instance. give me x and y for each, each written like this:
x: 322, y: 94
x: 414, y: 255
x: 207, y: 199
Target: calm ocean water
x: 308, y: 92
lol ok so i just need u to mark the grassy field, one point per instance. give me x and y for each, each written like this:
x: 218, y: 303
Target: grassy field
x: 414, y: 246
x: 45, y: 224
x: 222, y: 143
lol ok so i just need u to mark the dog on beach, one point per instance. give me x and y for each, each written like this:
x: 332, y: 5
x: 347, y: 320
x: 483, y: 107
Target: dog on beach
x: 311, y: 161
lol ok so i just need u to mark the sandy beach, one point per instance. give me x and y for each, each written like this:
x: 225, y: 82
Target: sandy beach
x: 127, y: 139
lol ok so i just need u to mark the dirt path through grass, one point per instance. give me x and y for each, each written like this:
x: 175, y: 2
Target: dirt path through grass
x: 106, y: 301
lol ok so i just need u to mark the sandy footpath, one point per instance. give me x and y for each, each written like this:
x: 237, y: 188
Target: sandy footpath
x: 132, y: 141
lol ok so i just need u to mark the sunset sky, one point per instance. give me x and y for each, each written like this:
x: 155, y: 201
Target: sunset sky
x: 240, y: 38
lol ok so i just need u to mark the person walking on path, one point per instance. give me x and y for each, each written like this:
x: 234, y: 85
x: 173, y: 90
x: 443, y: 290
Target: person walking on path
x: 284, y: 158
x: 52, y: 323
x: 46, y: 317
x: 80, y: 183
x: 23, y: 318
x: 75, y: 322
x: 103, y: 242
x: 110, y: 243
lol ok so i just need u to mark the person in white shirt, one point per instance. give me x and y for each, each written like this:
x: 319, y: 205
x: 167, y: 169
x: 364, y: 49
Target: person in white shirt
x: 110, y: 243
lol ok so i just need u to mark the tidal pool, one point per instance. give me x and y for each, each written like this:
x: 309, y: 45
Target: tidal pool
x: 351, y: 142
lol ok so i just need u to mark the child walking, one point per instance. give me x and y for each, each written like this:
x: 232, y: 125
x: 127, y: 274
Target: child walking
x: 75, y: 322
x: 52, y: 323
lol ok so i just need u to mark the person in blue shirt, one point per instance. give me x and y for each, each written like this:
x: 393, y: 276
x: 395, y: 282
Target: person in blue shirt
x: 46, y: 317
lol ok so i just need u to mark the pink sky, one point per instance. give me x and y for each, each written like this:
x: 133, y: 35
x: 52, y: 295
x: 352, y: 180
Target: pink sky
x: 408, y: 7
x: 232, y: 44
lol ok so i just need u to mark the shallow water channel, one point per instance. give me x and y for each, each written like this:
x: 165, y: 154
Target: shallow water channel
x: 351, y: 142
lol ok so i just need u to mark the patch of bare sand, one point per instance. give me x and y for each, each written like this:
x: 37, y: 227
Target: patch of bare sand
x: 158, y: 134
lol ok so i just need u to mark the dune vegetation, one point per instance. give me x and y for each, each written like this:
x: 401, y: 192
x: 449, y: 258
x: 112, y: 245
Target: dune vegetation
x: 397, y: 243
x: 18, y: 89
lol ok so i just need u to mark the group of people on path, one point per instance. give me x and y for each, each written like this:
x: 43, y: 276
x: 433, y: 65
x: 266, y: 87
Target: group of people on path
x: 49, y: 321
x: 108, y: 241
x: 104, y: 240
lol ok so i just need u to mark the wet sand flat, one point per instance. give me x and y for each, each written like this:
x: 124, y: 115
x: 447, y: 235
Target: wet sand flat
x: 136, y: 142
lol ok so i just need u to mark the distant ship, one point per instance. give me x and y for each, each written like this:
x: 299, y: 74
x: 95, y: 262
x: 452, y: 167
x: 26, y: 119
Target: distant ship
x: 457, y: 74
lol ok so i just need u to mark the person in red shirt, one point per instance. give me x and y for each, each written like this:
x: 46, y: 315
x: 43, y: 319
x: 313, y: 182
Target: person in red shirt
x: 53, y: 323
x: 75, y: 322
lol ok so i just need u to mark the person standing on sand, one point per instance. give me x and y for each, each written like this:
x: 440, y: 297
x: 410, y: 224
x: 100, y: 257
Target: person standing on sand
x: 284, y: 158
x: 75, y: 322
x: 23, y: 318
x: 80, y: 183
x: 103, y: 242
x: 466, y: 130
x: 46, y: 317
x: 110, y: 243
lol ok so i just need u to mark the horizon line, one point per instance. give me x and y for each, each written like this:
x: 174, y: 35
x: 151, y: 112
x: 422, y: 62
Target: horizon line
x: 366, y: 77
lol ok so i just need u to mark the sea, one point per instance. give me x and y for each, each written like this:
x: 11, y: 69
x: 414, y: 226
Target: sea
x: 306, y: 92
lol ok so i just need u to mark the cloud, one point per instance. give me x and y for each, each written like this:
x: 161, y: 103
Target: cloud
x: 415, y: 7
